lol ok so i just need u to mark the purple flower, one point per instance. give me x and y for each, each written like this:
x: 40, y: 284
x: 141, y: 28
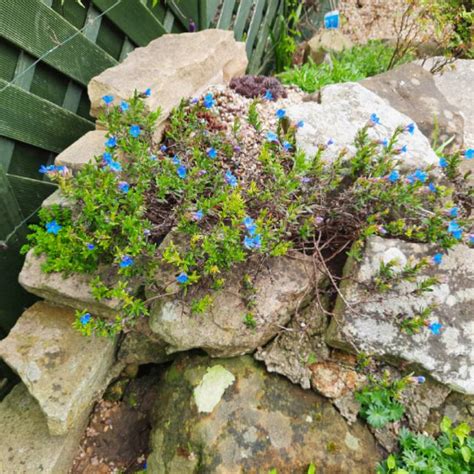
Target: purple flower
x: 163, y: 148
x: 85, y: 318
x: 268, y: 95
x: 435, y: 328
x: 300, y: 124
x: 123, y: 186
x: 469, y: 153
x: 375, y: 119
x: 330, y: 142
x: 182, y: 278
x: 124, y: 106
x: 182, y: 171
x: 443, y: 162
x: 211, y: 153
x: 111, y: 142
x: 280, y: 113
x: 209, y: 101
x: 252, y: 242
x: 382, y: 229
x: 135, y: 131
x: 287, y: 146
x: 272, y: 137
x: 237, y: 148
x: 108, y: 99
x: 394, y: 176
x: 454, y: 211
x: 198, y: 215
x: 437, y: 258
x: 410, y: 128
x: 147, y: 92
x: 319, y: 220
x: 192, y: 26
x: 52, y: 227
x: 418, y: 379
x: 126, y: 261
x: 231, y: 180
x: 90, y: 246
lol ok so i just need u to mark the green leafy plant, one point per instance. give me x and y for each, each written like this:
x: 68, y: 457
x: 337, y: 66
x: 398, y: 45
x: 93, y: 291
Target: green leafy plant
x: 452, y: 452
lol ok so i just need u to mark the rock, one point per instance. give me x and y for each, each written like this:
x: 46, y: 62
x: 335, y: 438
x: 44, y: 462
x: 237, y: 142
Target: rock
x: 411, y: 89
x: 372, y: 323
x: 57, y: 199
x: 230, y: 415
x: 281, y: 286
x: 27, y: 446
x: 326, y: 41
x: 345, y: 109
x: 63, y: 370
x: 174, y: 66
x: 73, y: 290
x: 298, y: 346
x: 82, y: 151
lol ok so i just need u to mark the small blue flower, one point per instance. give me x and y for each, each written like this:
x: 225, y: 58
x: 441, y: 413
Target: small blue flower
x: 272, y: 137
x: 147, y: 92
x: 454, y: 211
x: 330, y: 142
x: 124, y: 106
x: 115, y: 166
x: 107, y: 157
x: 182, y: 278
x: 126, y: 261
x: 182, y: 172
x: 300, y: 124
x: 443, y: 162
x: 394, y: 176
x: 418, y: 175
x: 471, y: 239
x: 108, y: 99
x: 176, y: 161
x: 420, y: 379
x: 384, y: 142
x: 123, y: 186
x: 212, y: 153
x: 437, y: 258
x: 250, y: 225
x: 403, y: 149
x: 135, y: 131
x: 209, y: 101
x: 469, y: 153
x: 163, y: 148
x: 111, y: 142
x: 280, y: 113
x: 90, y: 246
x: 287, y: 146
x: 153, y: 157
x: 52, y: 227
x: 198, y: 215
x: 410, y: 128
x: 453, y: 226
x: 435, y: 328
x: 85, y: 318
x: 268, y: 95
x: 457, y: 234
x: 374, y: 118
x: 432, y: 187
x: 230, y: 179
x: 47, y: 169
x: 254, y: 242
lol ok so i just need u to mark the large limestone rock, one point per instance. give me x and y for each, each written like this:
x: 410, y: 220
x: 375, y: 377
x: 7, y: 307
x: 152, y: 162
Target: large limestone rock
x: 27, y: 447
x: 371, y: 319
x: 345, y: 109
x: 173, y: 66
x: 63, y: 370
x: 411, y: 89
x: 231, y: 416
x: 324, y: 42
x: 281, y: 286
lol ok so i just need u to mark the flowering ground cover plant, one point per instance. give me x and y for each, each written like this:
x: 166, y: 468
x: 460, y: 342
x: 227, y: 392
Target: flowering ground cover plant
x: 219, y: 206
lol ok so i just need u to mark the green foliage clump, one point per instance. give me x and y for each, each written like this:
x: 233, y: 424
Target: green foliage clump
x: 452, y: 452
x: 353, y: 64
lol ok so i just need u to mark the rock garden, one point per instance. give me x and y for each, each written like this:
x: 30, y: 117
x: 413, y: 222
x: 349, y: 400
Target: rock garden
x: 252, y: 274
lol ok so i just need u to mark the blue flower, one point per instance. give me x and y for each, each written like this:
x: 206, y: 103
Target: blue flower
x: 419, y: 379
x: 454, y: 211
x: 374, y: 118
x: 85, y: 318
x: 254, y: 242
x: 212, y: 153
x: 198, y: 215
x: 182, y: 171
x: 432, y: 187
x: 111, y: 142
x: 437, y: 258
x: 115, y: 166
x: 230, y: 179
x: 410, y: 128
x: 403, y: 149
x: 147, y: 92
x: 330, y: 142
x: 287, y: 146
x: 123, y: 186
x: 435, y: 328
x: 453, y: 226
x: 163, y: 148
x: 418, y: 175
x: 124, y: 106
x: 300, y: 124
x: 443, y: 162
x: 182, y: 278
x: 176, y: 161
x: 52, y: 227
x: 135, y: 131
x: 384, y: 142
x: 394, y: 176
x: 272, y: 137
x: 153, y: 157
x: 250, y: 225
x: 107, y: 157
x: 126, y: 261
x: 108, y: 99
x: 209, y: 101
x: 90, y: 246
x: 469, y: 154
x: 280, y: 113
x: 457, y: 234
x: 471, y: 239
x: 268, y: 95
x: 47, y: 169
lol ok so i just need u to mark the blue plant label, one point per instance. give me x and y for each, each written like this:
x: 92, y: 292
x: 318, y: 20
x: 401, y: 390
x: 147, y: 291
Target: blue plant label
x: 331, y: 20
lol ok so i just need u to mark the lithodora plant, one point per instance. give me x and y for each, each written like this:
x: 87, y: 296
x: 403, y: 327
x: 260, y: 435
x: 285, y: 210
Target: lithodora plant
x: 219, y: 207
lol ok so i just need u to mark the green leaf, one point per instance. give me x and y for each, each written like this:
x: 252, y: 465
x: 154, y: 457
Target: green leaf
x: 445, y: 424
x: 312, y: 469
x: 466, y: 454
x: 462, y: 432
x: 448, y: 451
x: 391, y: 462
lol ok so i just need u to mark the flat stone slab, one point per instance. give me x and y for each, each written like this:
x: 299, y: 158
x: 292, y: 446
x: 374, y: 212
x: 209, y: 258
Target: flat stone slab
x: 372, y: 321
x: 343, y: 111
x: 174, y: 67
x: 27, y: 446
x: 63, y: 370
x: 82, y: 151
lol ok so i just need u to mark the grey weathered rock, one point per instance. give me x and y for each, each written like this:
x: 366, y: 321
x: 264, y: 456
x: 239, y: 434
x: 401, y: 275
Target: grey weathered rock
x: 27, y: 446
x: 63, y: 370
x: 411, y: 89
x: 372, y: 322
x: 57, y: 198
x: 345, y: 109
x: 298, y: 346
x: 174, y: 67
x: 73, y: 290
x: 281, y: 286
x: 82, y: 151
x: 230, y: 416
x: 326, y: 41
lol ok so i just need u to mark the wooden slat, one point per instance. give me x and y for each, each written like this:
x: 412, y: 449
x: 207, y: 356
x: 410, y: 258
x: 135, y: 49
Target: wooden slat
x: 225, y: 17
x: 6, y: 152
x: 134, y: 19
x: 254, y: 26
x: 10, y: 213
x: 169, y: 21
x: 185, y: 11
x: 241, y: 18
x: 212, y: 6
x: 36, y: 28
x: 31, y: 119
x: 179, y: 12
